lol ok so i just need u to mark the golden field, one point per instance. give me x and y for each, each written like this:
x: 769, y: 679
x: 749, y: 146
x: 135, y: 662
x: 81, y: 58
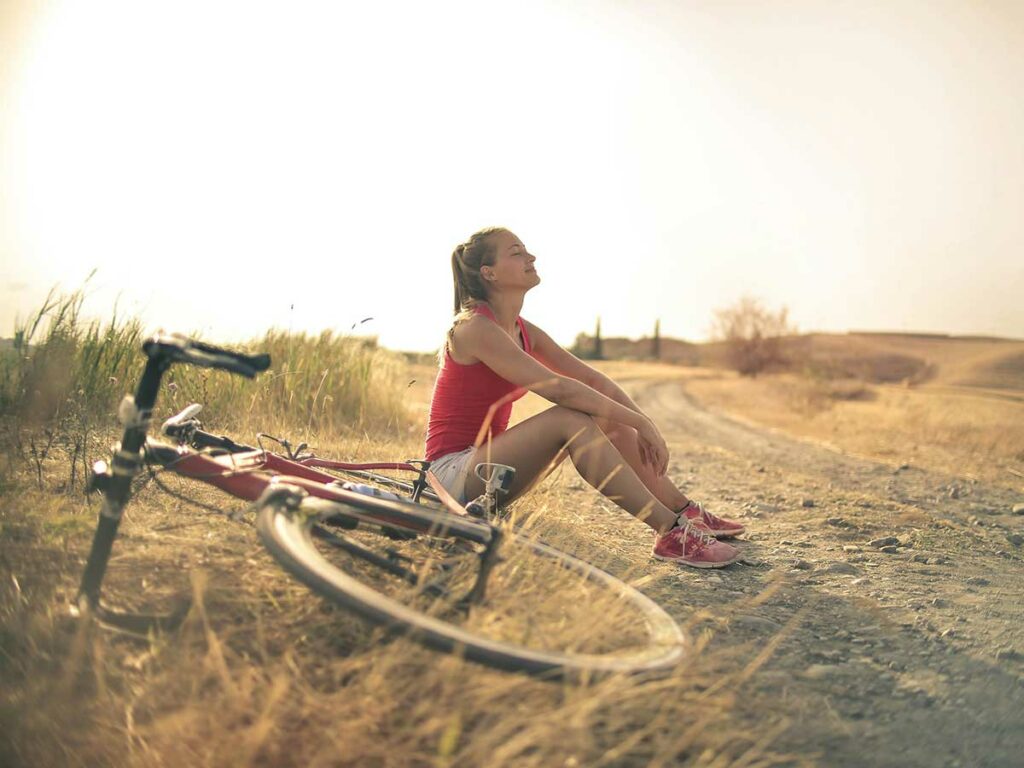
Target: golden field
x: 264, y: 673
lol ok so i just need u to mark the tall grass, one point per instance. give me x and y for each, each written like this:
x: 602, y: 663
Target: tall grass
x: 65, y: 368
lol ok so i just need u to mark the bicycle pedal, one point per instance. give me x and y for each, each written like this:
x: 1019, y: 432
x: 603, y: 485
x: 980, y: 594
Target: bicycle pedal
x: 477, y: 509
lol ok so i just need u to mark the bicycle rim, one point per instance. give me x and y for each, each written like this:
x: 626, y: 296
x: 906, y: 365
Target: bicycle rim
x: 531, y: 621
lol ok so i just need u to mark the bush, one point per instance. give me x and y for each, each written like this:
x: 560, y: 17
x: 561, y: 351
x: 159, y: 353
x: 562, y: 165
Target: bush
x: 752, y: 335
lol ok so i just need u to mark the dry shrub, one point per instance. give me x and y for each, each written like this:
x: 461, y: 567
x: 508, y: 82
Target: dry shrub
x: 752, y: 334
x: 809, y: 396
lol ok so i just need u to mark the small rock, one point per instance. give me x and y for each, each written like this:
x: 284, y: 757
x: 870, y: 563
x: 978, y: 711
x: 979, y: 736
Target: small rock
x: 938, y: 602
x: 954, y: 492
x: 902, y: 467
x: 885, y: 541
x: 858, y: 582
x: 851, y: 548
x: 807, y: 503
x: 819, y: 671
x: 1018, y: 509
x: 760, y: 469
x: 918, y: 558
x: 889, y: 550
x: 948, y: 632
x: 837, y: 521
x: 802, y: 565
x: 1015, y: 538
x: 841, y: 567
x: 1009, y: 653
x: 978, y: 581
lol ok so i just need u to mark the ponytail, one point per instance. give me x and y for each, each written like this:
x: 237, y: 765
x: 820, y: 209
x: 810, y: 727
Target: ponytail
x: 467, y: 258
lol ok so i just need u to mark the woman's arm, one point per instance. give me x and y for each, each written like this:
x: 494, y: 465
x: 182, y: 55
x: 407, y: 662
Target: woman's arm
x: 485, y: 341
x: 559, y: 359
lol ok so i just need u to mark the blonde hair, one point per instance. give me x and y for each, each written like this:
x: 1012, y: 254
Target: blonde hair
x: 470, y: 288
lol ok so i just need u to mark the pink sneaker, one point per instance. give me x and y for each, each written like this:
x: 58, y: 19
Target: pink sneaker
x: 717, y: 526
x: 689, y: 545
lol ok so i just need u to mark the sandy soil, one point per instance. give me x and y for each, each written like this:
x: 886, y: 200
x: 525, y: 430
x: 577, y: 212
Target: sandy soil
x: 900, y: 606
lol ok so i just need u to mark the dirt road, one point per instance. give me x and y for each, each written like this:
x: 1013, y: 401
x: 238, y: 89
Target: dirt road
x: 902, y: 601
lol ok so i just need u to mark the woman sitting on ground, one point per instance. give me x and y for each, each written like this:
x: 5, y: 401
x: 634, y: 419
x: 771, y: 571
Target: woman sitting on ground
x: 492, y: 355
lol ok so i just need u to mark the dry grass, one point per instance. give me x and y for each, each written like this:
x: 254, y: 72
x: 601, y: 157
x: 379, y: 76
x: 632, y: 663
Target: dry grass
x: 959, y: 431
x: 263, y: 673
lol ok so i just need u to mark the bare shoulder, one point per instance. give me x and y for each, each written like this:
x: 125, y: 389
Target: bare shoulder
x: 466, y: 336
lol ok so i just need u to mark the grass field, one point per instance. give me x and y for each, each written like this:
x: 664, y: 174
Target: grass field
x: 265, y: 674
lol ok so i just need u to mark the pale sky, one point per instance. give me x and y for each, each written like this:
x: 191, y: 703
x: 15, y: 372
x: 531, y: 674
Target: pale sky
x: 228, y: 167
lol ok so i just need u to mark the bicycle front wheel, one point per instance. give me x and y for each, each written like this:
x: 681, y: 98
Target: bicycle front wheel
x: 536, y: 609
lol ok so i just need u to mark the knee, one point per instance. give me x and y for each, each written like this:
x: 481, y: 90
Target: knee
x: 572, y: 421
x: 613, y: 429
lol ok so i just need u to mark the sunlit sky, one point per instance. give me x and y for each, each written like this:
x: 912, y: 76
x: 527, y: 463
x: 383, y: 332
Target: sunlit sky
x: 229, y: 167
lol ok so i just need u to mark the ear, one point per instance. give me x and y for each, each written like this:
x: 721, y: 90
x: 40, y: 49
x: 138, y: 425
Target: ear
x: 487, y: 273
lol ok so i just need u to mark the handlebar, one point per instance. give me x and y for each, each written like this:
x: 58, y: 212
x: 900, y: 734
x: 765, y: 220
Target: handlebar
x: 177, y: 348
x: 185, y: 428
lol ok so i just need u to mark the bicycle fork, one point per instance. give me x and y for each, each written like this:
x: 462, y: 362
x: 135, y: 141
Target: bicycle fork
x: 114, y: 484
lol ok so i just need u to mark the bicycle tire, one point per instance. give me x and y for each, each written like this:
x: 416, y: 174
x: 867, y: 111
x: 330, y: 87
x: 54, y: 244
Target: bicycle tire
x: 286, y: 531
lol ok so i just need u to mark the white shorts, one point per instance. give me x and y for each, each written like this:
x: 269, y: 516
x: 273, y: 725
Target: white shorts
x: 452, y: 469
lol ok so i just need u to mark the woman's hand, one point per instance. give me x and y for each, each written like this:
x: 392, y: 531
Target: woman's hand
x: 653, y: 450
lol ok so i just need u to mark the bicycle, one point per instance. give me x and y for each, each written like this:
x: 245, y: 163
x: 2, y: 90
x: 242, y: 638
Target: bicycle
x: 431, y: 581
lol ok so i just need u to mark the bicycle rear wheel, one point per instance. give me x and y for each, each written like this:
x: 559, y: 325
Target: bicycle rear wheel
x: 544, y: 611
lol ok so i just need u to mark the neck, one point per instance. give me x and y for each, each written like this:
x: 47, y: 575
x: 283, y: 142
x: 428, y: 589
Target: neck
x: 506, y: 308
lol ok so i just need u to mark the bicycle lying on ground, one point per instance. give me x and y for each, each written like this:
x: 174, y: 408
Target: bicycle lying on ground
x: 455, y: 580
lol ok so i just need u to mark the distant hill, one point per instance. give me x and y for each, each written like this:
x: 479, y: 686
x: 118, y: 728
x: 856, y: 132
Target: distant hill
x: 879, y: 357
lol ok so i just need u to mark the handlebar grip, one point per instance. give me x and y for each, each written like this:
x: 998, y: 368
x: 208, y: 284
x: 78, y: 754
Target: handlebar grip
x: 178, y: 348
x: 258, y: 363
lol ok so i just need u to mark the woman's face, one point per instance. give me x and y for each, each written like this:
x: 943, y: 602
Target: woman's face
x: 513, y: 266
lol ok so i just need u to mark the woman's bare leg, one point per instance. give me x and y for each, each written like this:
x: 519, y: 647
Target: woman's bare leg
x: 624, y: 439
x: 534, y: 446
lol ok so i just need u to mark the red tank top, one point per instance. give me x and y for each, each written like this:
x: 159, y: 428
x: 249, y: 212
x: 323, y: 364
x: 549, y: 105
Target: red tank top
x: 462, y: 396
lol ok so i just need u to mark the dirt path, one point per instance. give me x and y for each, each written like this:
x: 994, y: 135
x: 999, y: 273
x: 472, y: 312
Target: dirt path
x: 902, y: 604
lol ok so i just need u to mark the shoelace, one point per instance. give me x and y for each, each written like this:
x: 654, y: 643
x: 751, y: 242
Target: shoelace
x: 689, y: 529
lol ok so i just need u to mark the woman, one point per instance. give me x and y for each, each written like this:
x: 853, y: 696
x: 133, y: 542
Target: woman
x: 492, y: 356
